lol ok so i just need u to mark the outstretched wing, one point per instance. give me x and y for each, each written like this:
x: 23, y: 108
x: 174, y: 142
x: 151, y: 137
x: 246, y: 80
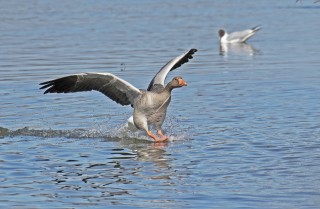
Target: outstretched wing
x: 110, y: 85
x: 171, y: 65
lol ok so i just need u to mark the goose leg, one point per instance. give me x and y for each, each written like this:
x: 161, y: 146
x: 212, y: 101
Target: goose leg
x: 163, y: 137
x: 140, y: 121
x: 153, y: 136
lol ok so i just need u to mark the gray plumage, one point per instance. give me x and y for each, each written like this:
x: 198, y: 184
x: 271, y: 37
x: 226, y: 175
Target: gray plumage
x: 150, y: 106
x: 110, y: 85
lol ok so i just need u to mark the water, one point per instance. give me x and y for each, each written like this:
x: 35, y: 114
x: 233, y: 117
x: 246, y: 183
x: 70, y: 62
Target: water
x: 244, y: 133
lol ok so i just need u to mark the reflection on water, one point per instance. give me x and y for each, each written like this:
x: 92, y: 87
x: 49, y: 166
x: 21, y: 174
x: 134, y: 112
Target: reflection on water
x: 237, y: 49
x: 85, y: 170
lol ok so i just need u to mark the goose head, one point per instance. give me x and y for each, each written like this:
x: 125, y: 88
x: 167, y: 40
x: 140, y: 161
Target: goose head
x: 176, y: 82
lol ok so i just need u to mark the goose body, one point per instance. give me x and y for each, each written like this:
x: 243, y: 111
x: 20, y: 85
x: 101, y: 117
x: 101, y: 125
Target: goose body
x: 149, y: 106
x: 237, y: 37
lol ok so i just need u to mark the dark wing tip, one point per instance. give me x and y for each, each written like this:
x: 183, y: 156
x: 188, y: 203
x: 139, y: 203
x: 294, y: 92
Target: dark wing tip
x: 194, y: 50
x: 60, y: 85
x: 258, y: 27
x: 190, y: 53
x: 46, y: 84
x: 43, y: 83
x: 185, y: 59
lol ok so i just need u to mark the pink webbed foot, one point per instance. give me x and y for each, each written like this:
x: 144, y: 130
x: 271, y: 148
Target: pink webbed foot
x: 162, y: 139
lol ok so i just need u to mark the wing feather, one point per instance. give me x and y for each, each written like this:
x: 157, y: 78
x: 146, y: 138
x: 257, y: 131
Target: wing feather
x: 110, y: 85
x: 160, y: 77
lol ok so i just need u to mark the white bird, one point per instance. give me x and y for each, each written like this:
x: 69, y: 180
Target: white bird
x: 237, y: 37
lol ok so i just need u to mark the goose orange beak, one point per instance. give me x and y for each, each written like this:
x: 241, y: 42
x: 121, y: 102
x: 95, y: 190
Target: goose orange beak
x: 182, y: 82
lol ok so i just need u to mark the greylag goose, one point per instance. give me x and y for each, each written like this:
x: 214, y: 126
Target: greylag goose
x: 149, y: 106
x: 237, y: 37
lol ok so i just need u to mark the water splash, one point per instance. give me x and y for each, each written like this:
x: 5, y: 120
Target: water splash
x: 120, y: 133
